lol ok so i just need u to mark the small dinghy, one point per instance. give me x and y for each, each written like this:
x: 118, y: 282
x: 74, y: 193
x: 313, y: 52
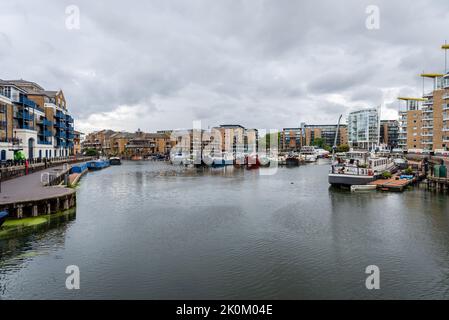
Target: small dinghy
x: 365, y: 187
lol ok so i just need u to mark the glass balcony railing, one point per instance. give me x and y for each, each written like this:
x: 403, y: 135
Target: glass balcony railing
x: 59, y: 115
x: 46, y: 123
x: 45, y: 133
x: 27, y: 102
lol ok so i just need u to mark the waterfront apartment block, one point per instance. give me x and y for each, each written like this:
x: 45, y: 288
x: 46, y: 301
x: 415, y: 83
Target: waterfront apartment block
x: 435, y: 114
x: 291, y: 139
x: 424, y: 122
x: 33, y: 121
x: 325, y: 132
x: 389, y: 133
x: 410, y: 123
x: 363, y: 129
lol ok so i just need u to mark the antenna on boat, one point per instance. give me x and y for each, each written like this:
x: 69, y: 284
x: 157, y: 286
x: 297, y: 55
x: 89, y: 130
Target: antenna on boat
x: 334, y: 147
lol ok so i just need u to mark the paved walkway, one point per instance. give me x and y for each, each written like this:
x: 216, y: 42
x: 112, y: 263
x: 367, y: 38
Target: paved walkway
x: 30, y: 188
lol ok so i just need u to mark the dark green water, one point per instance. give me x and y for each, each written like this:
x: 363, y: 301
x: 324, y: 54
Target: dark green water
x: 150, y: 230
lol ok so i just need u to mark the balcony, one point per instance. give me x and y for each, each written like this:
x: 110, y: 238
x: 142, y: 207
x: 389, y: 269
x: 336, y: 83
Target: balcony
x: 61, y: 134
x: 445, y: 129
x: 61, y: 143
x: 45, y: 142
x: 46, y: 123
x: 69, y: 144
x: 427, y: 134
x: 428, y: 95
x: 60, y: 125
x: 45, y: 133
x: 26, y: 126
x: 427, y: 126
x: 427, y: 110
x: 59, y: 115
x: 428, y: 103
x: 68, y: 118
x: 427, y: 142
x: 446, y: 96
x: 70, y: 136
x: 27, y: 102
x: 445, y: 107
x: 25, y: 115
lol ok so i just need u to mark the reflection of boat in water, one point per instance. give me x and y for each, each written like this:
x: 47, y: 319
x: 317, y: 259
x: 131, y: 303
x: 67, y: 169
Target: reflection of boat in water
x: 115, y: 161
x: 3, y: 216
x: 136, y: 158
x: 359, y: 168
x: 253, y: 162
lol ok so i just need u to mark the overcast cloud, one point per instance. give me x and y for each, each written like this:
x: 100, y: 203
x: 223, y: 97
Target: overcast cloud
x: 264, y: 64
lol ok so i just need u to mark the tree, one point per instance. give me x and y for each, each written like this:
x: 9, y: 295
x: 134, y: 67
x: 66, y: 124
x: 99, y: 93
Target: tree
x: 343, y: 148
x: 90, y: 152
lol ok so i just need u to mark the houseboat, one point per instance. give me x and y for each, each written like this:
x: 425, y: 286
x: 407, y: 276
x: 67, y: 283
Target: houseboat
x: 358, y: 168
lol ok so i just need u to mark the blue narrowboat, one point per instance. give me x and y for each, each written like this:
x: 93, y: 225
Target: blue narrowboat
x: 97, y: 164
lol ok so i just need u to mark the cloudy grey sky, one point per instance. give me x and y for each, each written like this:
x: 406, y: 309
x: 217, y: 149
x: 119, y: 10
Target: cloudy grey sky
x: 264, y: 64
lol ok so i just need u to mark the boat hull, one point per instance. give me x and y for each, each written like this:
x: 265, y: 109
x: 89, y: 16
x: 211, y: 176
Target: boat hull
x: 115, y: 162
x: 349, y: 180
x: 3, y: 216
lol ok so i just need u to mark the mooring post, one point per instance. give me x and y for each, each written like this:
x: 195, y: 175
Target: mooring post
x: 34, y: 211
x: 19, y: 211
x: 66, y: 204
x: 48, y: 207
x: 57, y: 204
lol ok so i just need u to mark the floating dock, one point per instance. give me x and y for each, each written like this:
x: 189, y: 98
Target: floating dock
x: 394, y: 184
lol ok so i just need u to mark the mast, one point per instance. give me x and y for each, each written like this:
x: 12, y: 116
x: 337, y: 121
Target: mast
x: 334, y: 147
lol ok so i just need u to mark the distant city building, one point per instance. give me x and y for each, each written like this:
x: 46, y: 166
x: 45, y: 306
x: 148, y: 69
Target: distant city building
x: 291, y: 139
x: 34, y: 121
x: 327, y: 133
x: 363, y: 129
x: 389, y: 133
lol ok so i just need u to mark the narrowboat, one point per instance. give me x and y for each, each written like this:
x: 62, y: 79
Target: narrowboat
x: 97, y: 164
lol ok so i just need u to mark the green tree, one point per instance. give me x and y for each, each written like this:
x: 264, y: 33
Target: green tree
x: 343, y: 148
x: 91, y: 152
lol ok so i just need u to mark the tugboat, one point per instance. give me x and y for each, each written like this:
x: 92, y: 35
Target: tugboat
x: 115, y: 161
x: 3, y: 216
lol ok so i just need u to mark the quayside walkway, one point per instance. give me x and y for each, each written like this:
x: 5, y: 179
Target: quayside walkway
x: 28, y: 196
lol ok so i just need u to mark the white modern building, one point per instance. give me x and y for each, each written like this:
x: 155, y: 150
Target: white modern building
x: 363, y: 129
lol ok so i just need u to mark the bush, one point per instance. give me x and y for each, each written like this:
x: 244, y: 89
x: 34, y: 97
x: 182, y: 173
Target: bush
x: 408, y: 171
x: 387, y: 175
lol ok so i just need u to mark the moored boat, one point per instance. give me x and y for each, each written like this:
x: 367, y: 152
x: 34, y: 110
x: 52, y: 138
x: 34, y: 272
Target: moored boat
x: 359, y: 168
x: 98, y: 164
x: 292, y: 160
x: 308, y: 154
x: 3, y: 216
x: 115, y: 161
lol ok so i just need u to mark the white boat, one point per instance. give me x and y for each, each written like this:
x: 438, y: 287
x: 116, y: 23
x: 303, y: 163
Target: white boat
x: 308, y: 154
x: 359, y: 168
x: 366, y: 187
x: 321, y: 153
